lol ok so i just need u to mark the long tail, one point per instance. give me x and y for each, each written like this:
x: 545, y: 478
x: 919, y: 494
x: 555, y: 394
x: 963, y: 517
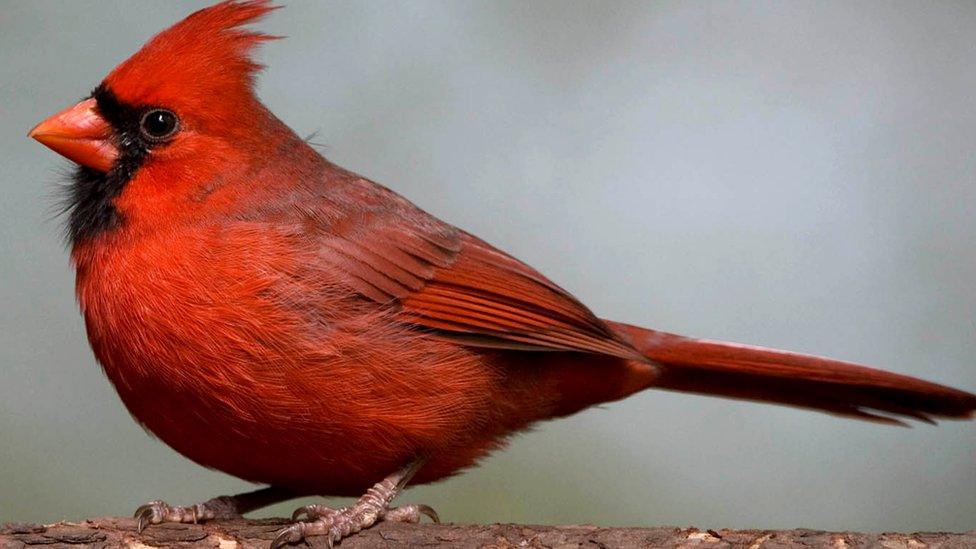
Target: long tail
x: 768, y: 375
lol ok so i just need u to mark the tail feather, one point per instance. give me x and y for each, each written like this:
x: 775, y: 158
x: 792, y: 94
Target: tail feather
x: 768, y: 375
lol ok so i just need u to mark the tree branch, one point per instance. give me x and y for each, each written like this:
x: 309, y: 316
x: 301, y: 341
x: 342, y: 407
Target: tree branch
x: 105, y: 533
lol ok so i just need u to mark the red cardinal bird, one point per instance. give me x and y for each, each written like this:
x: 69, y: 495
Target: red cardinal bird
x: 271, y: 315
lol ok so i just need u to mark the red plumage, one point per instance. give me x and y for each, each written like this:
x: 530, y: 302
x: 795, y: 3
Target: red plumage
x: 276, y: 317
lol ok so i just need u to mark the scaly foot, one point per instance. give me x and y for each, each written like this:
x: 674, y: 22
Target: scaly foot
x: 403, y: 513
x: 158, y: 512
x: 223, y: 507
x: 372, y: 507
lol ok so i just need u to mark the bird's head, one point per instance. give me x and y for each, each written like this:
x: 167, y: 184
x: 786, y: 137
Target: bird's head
x: 166, y: 122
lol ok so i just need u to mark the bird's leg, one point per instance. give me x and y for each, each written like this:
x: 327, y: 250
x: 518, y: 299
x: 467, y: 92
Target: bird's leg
x: 222, y: 507
x: 372, y: 507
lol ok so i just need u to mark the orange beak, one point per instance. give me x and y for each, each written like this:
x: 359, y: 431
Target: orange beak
x: 79, y: 134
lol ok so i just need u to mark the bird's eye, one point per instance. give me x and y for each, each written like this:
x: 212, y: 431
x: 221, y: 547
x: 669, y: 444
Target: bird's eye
x: 158, y: 124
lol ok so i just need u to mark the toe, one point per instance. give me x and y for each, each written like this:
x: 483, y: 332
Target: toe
x: 410, y: 513
x: 150, y: 513
x: 314, y: 512
x: 149, y: 508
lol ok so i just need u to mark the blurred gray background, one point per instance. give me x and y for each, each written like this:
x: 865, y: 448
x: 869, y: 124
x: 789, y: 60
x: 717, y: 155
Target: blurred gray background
x: 792, y: 174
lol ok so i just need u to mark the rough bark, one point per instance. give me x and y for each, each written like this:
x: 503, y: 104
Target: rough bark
x: 103, y: 533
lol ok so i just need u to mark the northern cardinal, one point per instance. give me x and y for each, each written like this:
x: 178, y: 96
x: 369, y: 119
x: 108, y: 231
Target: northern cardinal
x: 271, y: 315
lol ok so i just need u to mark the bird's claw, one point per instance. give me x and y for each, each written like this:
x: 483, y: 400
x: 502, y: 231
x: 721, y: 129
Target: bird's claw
x: 153, y: 512
x: 291, y: 534
x: 158, y: 512
x: 411, y: 514
x: 336, y: 524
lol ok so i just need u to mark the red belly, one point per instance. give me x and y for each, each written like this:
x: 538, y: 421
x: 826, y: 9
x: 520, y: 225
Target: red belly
x: 321, y: 397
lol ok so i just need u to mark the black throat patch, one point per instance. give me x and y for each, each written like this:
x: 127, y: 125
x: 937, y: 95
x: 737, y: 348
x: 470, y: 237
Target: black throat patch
x: 90, y: 200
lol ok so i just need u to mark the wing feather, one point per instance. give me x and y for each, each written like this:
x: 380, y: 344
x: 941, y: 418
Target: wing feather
x: 453, y: 284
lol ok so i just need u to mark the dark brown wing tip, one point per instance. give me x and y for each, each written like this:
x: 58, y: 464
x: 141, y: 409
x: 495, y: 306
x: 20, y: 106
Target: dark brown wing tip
x: 942, y: 404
